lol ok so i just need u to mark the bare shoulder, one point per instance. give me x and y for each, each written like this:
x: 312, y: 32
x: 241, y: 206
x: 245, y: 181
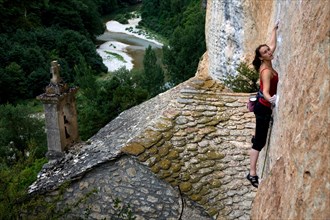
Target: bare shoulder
x: 265, y: 73
x: 265, y: 70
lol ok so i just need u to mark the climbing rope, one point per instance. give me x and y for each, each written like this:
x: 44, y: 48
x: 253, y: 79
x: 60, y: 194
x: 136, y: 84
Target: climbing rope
x: 182, y: 204
x: 267, y: 146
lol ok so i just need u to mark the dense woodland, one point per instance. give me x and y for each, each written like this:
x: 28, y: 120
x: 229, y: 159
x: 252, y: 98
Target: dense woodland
x: 33, y: 33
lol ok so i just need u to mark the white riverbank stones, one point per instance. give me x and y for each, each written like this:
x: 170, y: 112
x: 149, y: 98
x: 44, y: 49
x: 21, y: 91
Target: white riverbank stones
x: 183, y: 153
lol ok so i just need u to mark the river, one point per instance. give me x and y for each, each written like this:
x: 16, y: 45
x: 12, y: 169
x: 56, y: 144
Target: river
x: 124, y: 45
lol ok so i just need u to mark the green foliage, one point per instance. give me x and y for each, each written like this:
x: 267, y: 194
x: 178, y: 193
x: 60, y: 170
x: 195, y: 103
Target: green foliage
x: 46, y: 207
x: 90, y: 117
x: 183, y: 22
x: 33, y: 33
x: 81, y: 16
x: 123, y: 212
x: 117, y: 56
x: 41, y: 207
x: 19, y: 130
x: 245, y: 81
x: 13, y: 185
x: 187, y: 45
x: 123, y: 18
x: 13, y: 84
x: 164, y: 16
x: 125, y: 92
x: 153, y: 75
x: 22, y: 150
x: 100, y: 101
x: 26, y: 56
x: 107, y: 6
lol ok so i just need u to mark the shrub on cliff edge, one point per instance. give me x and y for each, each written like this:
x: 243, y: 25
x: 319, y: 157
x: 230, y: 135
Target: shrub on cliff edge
x: 245, y: 81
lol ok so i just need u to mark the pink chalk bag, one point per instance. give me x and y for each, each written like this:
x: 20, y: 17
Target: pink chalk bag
x: 253, y: 101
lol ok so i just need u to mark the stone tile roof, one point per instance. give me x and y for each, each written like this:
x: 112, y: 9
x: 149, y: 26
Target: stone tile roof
x: 200, y: 143
x: 195, y: 137
x: 102, y: 147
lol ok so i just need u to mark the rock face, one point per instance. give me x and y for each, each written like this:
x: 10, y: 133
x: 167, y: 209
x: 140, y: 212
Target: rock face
x: 297, y: 175
x: 301, y: 129
x: 224, y: 36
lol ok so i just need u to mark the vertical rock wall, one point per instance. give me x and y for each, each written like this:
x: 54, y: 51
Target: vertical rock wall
x: 224, y: 28
x: 234, y: 29
x: 296, y: 183
x: 299, y: 149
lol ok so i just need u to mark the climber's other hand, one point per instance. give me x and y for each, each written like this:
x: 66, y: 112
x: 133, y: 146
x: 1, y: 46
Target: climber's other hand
x: 272, y: 99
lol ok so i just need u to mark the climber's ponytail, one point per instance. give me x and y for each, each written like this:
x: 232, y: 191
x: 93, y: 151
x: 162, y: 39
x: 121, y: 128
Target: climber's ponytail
x: 257, y: 62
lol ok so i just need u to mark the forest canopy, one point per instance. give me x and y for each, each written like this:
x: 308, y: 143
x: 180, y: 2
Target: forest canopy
x: 182, y: 22
x: 33, y: 33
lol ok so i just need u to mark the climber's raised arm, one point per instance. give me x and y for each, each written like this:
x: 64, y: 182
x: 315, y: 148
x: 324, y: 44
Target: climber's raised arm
x: 273, y: 38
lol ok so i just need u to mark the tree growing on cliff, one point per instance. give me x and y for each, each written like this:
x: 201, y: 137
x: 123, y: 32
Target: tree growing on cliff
x: 245, y: 80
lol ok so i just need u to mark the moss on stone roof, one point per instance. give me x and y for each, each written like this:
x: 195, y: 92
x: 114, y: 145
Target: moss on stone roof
x: 186, y: 145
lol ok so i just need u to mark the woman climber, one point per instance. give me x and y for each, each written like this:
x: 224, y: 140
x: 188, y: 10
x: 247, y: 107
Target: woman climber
x: 263, y: 110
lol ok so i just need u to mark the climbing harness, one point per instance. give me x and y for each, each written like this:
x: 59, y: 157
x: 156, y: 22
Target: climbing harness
x: 267, y: 146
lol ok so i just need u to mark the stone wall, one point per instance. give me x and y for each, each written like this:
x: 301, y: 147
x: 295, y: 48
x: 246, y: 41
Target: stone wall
x: 133, y: 187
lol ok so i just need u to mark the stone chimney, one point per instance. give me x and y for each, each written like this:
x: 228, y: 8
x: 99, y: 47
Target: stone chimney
x: 60, y: 113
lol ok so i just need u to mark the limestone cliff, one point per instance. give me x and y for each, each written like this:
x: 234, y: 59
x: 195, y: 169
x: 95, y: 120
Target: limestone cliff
x: 297, y: 182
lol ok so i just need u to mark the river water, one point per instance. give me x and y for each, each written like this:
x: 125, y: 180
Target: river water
x: 129, y: 46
